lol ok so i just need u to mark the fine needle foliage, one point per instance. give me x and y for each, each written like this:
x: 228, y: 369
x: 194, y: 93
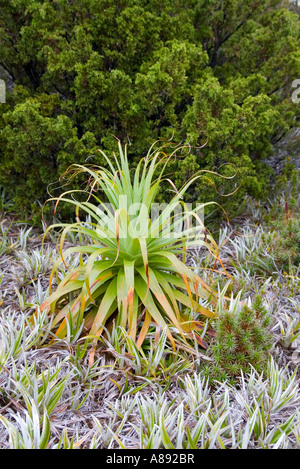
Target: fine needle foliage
x: 133, y: 272
x: 243, y: 339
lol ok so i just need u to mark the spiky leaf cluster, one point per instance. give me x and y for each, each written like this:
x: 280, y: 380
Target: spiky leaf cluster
x: 133, y: 269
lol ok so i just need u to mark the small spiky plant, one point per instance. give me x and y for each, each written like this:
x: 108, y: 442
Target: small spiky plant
x: 136, y: 272
x: 242, y: 339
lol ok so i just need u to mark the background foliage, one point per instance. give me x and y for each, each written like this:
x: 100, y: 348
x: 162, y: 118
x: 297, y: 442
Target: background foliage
x: 199, y: 71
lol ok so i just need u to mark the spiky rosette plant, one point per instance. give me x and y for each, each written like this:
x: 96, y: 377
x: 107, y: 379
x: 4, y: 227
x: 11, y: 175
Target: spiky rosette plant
x: 135, y: 272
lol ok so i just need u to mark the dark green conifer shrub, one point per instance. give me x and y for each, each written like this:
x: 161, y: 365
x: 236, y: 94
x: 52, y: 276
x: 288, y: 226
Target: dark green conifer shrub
x: 242, y: 339
x: 215, y: 74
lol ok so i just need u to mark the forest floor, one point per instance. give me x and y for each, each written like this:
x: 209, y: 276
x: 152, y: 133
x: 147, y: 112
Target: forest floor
x: 51, y: 398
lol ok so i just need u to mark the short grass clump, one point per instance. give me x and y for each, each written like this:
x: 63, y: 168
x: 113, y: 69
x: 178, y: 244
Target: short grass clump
x: 133, y: 272
x: 286, y: 243
x: 283, y: 220
x: 242, y: 339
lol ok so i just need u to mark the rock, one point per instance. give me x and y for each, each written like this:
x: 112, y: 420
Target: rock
x: 288, y: 147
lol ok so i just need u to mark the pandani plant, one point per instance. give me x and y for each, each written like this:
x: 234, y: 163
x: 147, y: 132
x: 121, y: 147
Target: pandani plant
x: 135, y: 272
